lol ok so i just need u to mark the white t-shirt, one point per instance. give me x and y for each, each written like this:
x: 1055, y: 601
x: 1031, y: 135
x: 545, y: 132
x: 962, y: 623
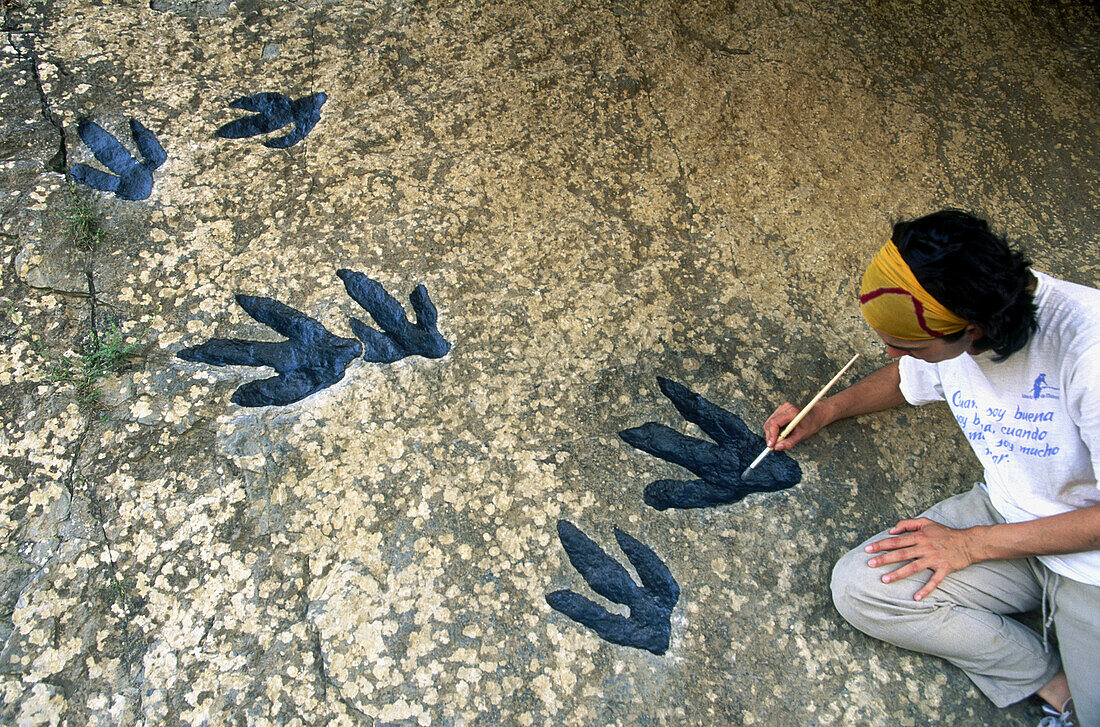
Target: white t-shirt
x: 1034, y: 418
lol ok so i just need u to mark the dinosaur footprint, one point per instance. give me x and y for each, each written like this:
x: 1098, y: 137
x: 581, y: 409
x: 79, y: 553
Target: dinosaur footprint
x: 719, y: 465
x: 312, y: 359
x: 131, y: 179
x: 398, y: 337
x: 274, y: 111
x: 649, y: 625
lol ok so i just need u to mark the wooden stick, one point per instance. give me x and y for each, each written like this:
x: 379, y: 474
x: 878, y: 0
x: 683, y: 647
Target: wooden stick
x: 798, y: 417
x: 806, y: 409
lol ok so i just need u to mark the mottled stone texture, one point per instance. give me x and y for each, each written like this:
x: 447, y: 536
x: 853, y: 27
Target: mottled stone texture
x: 596, y: 194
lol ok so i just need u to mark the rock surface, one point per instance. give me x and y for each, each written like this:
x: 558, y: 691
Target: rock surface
x: 596, y: 194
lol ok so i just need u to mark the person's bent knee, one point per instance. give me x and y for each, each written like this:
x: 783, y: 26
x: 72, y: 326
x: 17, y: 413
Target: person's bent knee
x: 885, y: 611
x: 855, y: 588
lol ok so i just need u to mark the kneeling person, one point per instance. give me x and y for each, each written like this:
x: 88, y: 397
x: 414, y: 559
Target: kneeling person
x: 1016, y: 355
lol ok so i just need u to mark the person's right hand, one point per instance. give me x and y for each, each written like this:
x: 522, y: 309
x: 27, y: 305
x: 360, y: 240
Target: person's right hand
x: 781, y: 417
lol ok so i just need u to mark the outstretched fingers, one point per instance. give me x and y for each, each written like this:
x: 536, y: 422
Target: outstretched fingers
x: 910, y: 525
x: 891, y: 547
x: 932, y: 584
x: 926, y: 545
x: 916, y: 566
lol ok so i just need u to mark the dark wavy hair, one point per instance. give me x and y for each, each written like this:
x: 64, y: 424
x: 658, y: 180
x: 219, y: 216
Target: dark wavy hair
x: 974, y: 273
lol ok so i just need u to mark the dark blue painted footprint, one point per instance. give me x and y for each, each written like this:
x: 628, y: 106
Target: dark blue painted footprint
x: 131, y: 179
x: 274, y: 111
x: 312, y: 359
x: 719, y: 464
x: 398, y: 338
x: 649, y: 625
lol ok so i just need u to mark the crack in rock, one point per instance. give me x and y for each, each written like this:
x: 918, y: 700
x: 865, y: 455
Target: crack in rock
x: 326, y: 681
x: 27, y: 51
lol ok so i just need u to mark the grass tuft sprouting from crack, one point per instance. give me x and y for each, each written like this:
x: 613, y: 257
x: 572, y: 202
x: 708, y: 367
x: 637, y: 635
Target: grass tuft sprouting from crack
x: 105, y: 351
x: 100, y: 357
x: 84, y: 220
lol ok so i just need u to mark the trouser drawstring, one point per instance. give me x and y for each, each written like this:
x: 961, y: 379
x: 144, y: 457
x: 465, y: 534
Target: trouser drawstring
x: 1050, y: 606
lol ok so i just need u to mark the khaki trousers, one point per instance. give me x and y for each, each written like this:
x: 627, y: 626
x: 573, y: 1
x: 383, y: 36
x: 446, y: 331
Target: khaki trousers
x: 965, y: 620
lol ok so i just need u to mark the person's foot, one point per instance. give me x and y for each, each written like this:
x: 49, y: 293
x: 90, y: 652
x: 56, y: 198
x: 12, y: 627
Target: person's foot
x: 1054, y: 718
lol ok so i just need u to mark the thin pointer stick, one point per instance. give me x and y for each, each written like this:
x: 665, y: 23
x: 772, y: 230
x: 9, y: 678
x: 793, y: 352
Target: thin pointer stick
x: 798, y: 417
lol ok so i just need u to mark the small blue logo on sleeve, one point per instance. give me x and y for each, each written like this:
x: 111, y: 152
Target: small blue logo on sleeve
x: 1042, y: 390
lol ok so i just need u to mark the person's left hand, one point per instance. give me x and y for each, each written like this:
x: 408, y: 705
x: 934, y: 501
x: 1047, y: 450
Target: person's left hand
x: 928, y: 545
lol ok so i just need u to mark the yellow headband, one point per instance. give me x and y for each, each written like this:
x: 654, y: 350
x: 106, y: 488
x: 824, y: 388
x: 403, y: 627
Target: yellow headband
x: 895, y: 303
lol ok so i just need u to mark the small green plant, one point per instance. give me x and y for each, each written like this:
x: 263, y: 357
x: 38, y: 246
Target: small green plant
x: 116, y: 590
x: 10, y: 313
x: 84, y: 220
x: 102, y: 355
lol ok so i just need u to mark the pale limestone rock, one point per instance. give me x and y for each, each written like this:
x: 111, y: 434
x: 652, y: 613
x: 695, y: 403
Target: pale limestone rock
x: 594, y: 194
